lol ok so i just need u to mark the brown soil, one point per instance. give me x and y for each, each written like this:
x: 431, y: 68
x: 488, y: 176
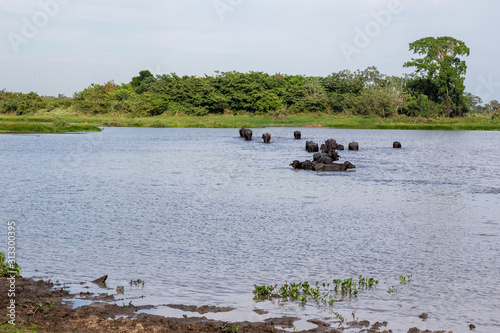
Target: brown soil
x: 200, y: 309
x: 54, y: 315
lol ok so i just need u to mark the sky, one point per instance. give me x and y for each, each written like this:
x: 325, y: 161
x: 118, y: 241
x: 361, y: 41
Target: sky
x: 57, y: 47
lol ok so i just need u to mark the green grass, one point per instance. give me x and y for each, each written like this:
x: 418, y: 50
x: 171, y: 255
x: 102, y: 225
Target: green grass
x: 47, y: 123
x: 18, y: 328
x: 8, y: 269
x: 21, y: 124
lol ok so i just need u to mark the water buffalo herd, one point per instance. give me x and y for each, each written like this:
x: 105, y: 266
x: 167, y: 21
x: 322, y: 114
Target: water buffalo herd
x: 322, y: 161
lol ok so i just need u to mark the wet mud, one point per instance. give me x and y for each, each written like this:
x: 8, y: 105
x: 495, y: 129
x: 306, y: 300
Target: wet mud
x: 41, y: 306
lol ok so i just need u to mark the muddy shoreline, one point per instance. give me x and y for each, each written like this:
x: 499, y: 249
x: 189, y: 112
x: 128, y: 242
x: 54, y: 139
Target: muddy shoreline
x: 41, y: 306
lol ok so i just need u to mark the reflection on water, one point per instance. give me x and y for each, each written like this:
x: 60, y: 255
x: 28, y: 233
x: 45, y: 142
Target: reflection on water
x: 201, y: 215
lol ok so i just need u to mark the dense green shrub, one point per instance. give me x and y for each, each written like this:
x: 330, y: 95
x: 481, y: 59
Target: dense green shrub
x: 19, y: 103
x: 366, y: 93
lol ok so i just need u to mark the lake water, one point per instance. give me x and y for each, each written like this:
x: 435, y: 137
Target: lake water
x: 201, y: 215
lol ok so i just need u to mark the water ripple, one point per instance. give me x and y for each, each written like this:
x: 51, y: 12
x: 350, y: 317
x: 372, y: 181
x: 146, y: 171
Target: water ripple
x: 202, y: 215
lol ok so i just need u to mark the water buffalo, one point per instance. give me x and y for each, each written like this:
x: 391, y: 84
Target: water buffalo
x: 329, y: 146
x: 312, y: 147
x: 306, y: 165
x: 396, y: 144
x: 334, y: 166
x: 325, y: 160
x: 242, y: 132
x: 247, y: 134
x: 353, y: 146
x: 297, y: 135
x: 318, y: 156
x: 322, y: 166
x: 266, y: 137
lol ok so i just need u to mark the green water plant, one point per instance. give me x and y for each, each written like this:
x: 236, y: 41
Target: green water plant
x: 405, y: 279
x: 339, y: 317
x: 402, y: 280
x: 137, y: 283
x: 321, y: 293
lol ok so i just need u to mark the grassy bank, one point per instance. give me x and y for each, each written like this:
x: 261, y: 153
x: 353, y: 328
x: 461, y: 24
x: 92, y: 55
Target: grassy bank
x: 48, y: 123
x: 16, y: 124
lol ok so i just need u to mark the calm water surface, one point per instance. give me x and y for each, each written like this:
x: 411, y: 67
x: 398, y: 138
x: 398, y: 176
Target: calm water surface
x: 201, y: 216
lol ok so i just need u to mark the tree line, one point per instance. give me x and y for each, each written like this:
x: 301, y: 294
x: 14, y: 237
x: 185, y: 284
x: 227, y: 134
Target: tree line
x: 436, y: 89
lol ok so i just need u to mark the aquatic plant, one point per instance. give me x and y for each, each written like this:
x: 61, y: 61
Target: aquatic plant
x: 321, y: 293
x: 339, y: 317
x: 137, y: 283
x: 405, y: 279
x: 402, y: 280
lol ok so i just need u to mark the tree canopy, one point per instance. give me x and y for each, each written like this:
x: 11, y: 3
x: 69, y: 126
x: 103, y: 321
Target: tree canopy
x: 441, y: 70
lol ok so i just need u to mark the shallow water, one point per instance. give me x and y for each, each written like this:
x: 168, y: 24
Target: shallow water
x: 201, y: 216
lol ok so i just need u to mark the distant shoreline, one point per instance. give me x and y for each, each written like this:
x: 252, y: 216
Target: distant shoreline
x: 47, y: 125
x: 40, y: 124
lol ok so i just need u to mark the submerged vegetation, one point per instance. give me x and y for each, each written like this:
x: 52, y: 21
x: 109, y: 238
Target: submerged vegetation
x: 403, y: 280
x: 137, y: 283
x: 321, y: 293
x: 426, y: 99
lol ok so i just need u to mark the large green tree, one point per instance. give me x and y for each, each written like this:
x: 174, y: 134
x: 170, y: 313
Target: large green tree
x: 441, y: 70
